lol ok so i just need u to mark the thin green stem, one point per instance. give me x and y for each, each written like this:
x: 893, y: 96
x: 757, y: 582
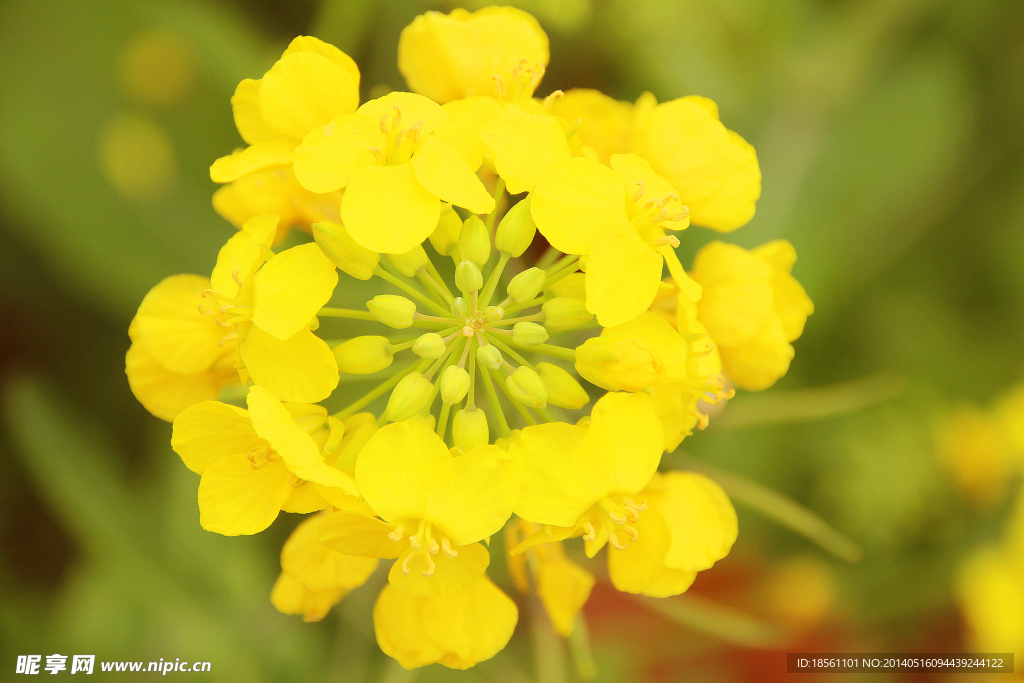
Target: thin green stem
x: 442, y: 420
x: 470, y: 403
x: 499, y: 190
x: 448, y: 354
x: 527, y: 304
x: 563, y: 262
x: 329, y: 312
x: 395, y: 348
x: 427, y: 279
x: 524, y: 319
x: 547, y: 258
x: 582, y: 653
x: 520, y: 408
x: 381, y: 389
x: 493, y: 395
x: 565, y: 272
x: 509, y: 350
x: 432, y: 269
x: 492, y: 281
x: 435, y: 319
x: 411, y: 291
x: 556, y: 351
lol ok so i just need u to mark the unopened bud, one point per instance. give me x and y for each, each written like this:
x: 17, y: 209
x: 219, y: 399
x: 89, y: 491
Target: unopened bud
x: 573, y: 285
x: 392, y: 310
x: 524, y: 385
x: 446, y: 234
x: 565, y: 313
x: 454, y: 384
x: 409, y: 397
x: 410, y: 262
x: 528, y: 334
x: 474, y: 242
x: 563, y: 389
x: 597, y: 351
x: 363, y: 355
x: 459, y: 308
x: 429, y: 345
x: 526, y: 285
x: 489, y: 357
x: 492, y: 313
x: 620, y: 363
x: 342, y: 250
x: 468, y: 277
x: 516, y: 231
x: 469, y: 429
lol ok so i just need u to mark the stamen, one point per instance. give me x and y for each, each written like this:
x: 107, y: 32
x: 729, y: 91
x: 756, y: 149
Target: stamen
x: 405, y: 563
x: 552, y: 97
x: 226, y: 338
x: 398, y: 117
x: 589, y: 533
x: 671, y: 240
x: 639, y: 191
x: 616, y: 543
x: 633, y: 505
x: 632, y: 515
x: 429, y: 571
x: 432, y: 548
x: 397, y: 534
x: 238, y: 280
x: 220, y: 322
x: 414, y: 542
x: 618, y: 519
x: 384, y: 124
x: 203, y: 311
x: 499, y: 86
x: 631, y: 532
x: 449, y: 551
x: 378, y: 153
x: 294, y: 481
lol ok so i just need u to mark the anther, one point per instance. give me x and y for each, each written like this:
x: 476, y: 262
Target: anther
x: 227, y: 337
x: 670, y: 240
x: 405, y: 563
x: 220, y: 323
x: 632, y: 515
x: 449, y: 551
x: 499, y: 86
x: 398, y: 117
x: 639, y: 191
x: 238, y: 280
x: 616, y: 518
x: 631, y: 532
x: 589, y: 533
x: 378, y: 154
x: 384, y: 124
x: 432, y: 548
x: 552, y: 97
x: 633, y: 505
x: 397, y: 534
x: 294, y: 481
x: 414, y: 542
x: 616, y: 543
x: 429, y: 571
x: 203, y: 311
x: 225, y: 308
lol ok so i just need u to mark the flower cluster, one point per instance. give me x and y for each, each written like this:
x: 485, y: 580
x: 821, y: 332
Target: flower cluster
x: 486, y: 426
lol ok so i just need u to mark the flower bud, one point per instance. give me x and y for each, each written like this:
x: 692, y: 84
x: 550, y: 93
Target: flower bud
x: 492, y: 313
x: 474, y: 242
x: 392, y: 310
x: 525, y: 386
x: 363, y: 355
x: 489, y: 357
x: 409, y: 397
x: 454, y: 384
x: 468, y: 277
x: 516, y: 230
x: 411, y: 261
x: 565, y: 313
x: 469, y: 429
x: 429, y: 345
x: 620, y: 364
x: 563, y: 389
x: 573, y: 285
x: 446, y: 234
x: 459, y: 308
x: 526, y: 285
x: 528, y: 334
x: 343, y: 251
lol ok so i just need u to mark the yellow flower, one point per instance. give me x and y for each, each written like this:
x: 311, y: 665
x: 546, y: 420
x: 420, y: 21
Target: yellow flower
x: 607, y: 126
x: 457, y: 630
x: 495, y: 59
x: 690, y: 525
x: 562, y: 585
x: 312, y: 83
x: 617, y: 217
x: 975, y: 449
x: 313, y: 577
x: 174, y: 360
x: 271, y: 303
x: 255, y: 463
x: 752, y: 307
x: 436, y: 508
x: 394, y: 170
x: 581, y: 480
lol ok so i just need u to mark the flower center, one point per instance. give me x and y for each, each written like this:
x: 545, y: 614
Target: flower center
x: 422, y: 546
x: 615, y: 518
x: 399, y: 143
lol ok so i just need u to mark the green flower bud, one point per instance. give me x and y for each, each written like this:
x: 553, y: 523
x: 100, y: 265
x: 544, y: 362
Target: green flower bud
x: 597, y: 351
x: 409, y: 397
x: 516, y: 230
x: 446, y: 234
x: 459, y: 308
x: 469, y: 429
x: 429, y: 345
x: 492, y: 313
x: 528, y: 334
x: 454, y: 384
x: 526, y: 285
x: 565, y: 313
x: 468, y: 277
x: 489, y: 357
x: 411, y: 261
x: 573, y: 285
x: 343, y: 251
x: 474, y: 242
x: 563, y: 390
x: 525, y: 386
x: 392, y: 310
x: 363, y: 355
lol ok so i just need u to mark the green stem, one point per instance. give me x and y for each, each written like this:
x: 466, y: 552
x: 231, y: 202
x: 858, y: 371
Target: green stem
x: 549, y: 257
x: 426, y: 278
x: 523, y: 319
x: 470, y: 404
x: 442, y: 420
x: 556, y: 351
x: 329, y: 312
x: 563, y: 262
x: 565, y: 272
x: 499, y: 190
x: 493, y: 395
x: 527, y: 304
x: 381, y: 389
x: 492, y: 281
x: 509, y: 350
x: 411, y: 291
x: 582, y: 653
x: 432, y: 269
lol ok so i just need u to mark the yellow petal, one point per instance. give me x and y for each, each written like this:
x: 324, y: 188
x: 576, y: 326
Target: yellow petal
x: 359, y: 535
x: 305, y: 499
x: 246, y: 109
x: 237, y: 498
x: 558, y: 484
x: 290, y: 597
x: 300, y: 369
x: 450, y: 574
x: 606, y: 124
x: 661, y: 337
x: 564, y: 587
x: 317, y: 567
x: 461, y: 129
x: 291, y: 288
x: 304, y: 90
x: 737, y: 293
x: 398, y: 624
x: 273, y: 422
x: 395, y: 466
x: 757, y: 364
x: 625, y: 441
x: 414, y: 110
x: 577, y: 202
x: 634, y: 568
x: 275, y: 192
x: 311, y: 44
x: 171, y: 328
x: 330, y: 155
x: 669, y: 582
x: 270, y: 154
x: 210, y: 430
x: 732, y: 205
x: 623, y: 276
x: 471, y: 497
x: 702, y: 520
x: 386, y: 209
x: 644, y: 185
x: 671, y: 401
x: 445, y: 174
x: 448, y: 57
x: 791, y: 304
x: 780, y: 254
x: 240, y: 256
x: 471, y: 626
x: 164, y: 393
x: 523, y: 143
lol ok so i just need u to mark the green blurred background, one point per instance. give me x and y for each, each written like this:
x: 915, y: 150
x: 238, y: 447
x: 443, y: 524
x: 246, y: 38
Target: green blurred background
x: 889, y: 134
